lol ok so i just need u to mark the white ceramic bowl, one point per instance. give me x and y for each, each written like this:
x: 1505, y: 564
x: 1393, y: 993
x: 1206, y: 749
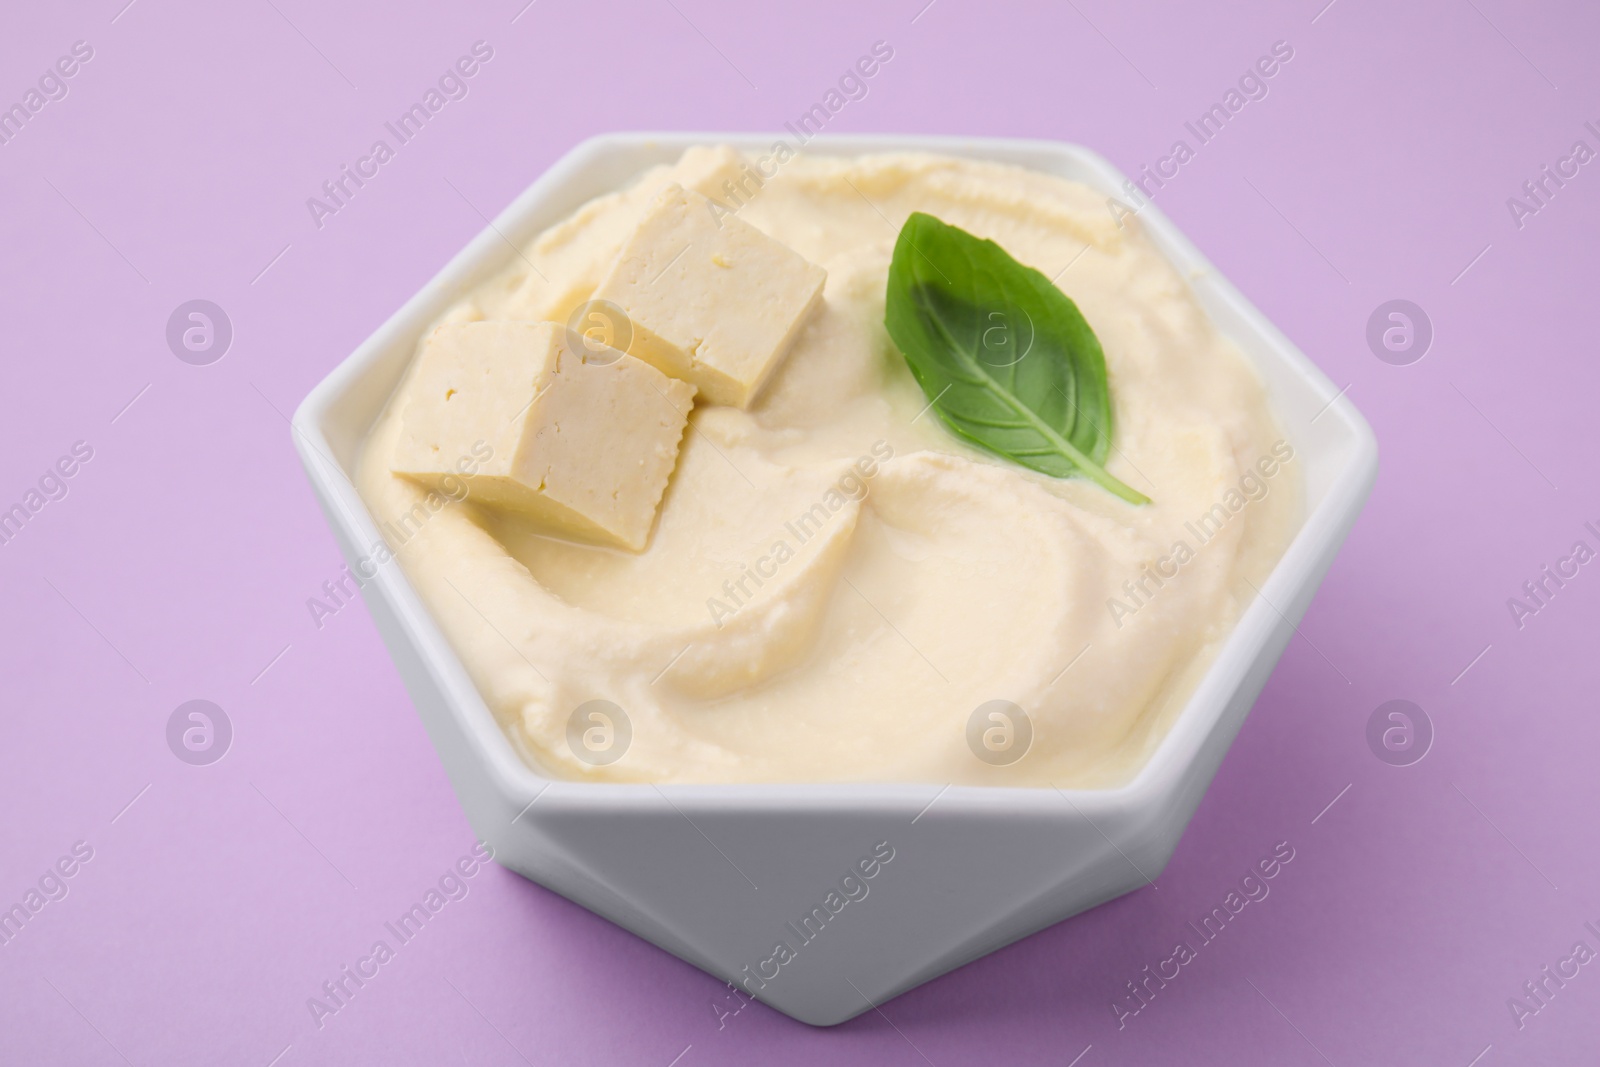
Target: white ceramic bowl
x: 717, y: 875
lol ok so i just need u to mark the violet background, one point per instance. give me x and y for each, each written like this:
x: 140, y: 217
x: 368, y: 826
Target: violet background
x: 179, y: 565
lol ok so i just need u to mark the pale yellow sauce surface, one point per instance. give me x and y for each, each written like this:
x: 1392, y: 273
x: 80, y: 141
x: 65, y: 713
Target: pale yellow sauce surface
x: 835, y: 582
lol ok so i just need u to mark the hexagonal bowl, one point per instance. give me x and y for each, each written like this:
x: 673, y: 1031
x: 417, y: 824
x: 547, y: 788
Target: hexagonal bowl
x: 720, y: 875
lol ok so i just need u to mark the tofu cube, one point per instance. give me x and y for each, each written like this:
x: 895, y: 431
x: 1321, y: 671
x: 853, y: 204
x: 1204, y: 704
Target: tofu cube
x: 571, y: 259
x: 712, y: 171
x: 712, y: 300
x: 582, y: 447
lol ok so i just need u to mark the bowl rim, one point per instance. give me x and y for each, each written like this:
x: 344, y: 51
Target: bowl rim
x: 1164, y: 767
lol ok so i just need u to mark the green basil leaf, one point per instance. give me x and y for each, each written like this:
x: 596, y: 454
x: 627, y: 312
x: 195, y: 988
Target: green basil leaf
x: 1005, y: 358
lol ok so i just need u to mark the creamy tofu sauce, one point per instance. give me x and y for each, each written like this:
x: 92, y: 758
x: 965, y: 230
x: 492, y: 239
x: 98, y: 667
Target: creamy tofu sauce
x: 835, y: 583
